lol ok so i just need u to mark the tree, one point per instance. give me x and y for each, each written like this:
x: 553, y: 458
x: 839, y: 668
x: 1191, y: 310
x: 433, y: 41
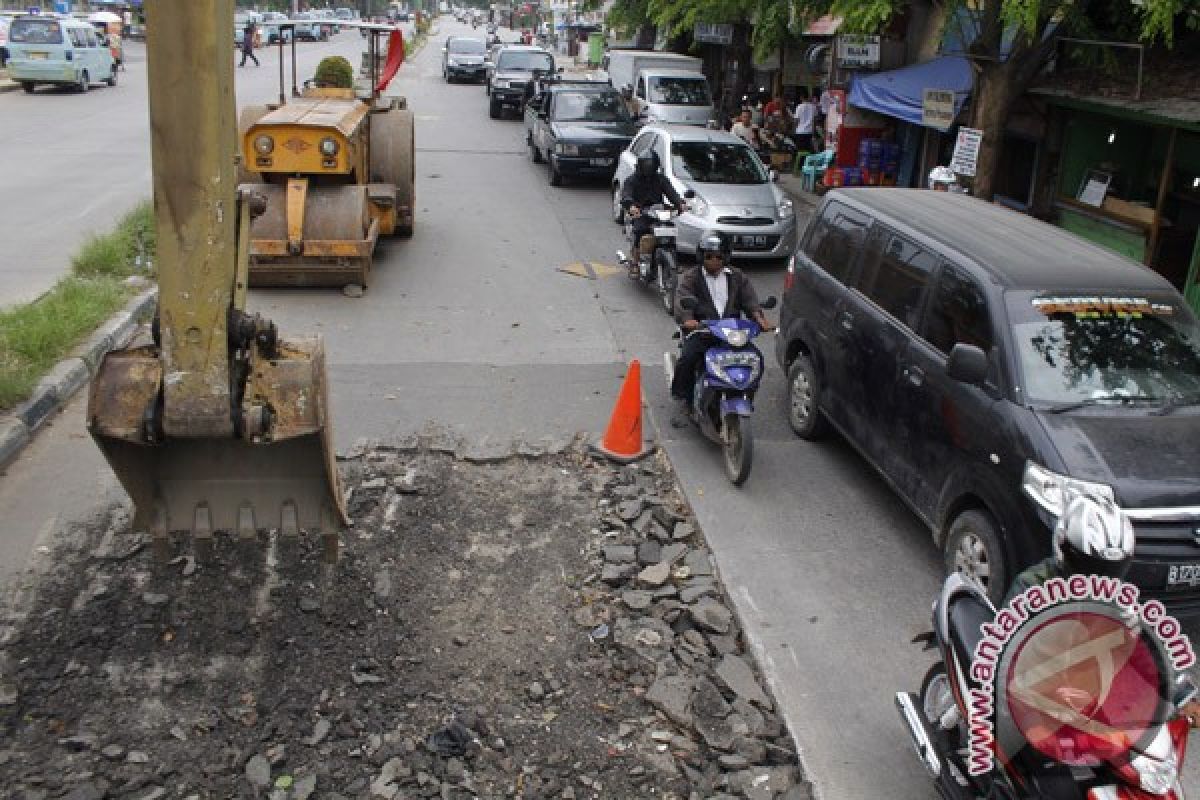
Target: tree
x: 1035, y: 27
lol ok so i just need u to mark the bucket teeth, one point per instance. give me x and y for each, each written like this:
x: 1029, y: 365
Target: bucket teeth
x: 246, y: 529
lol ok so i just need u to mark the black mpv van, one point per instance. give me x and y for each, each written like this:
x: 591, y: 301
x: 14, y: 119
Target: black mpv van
x: 985, y: 363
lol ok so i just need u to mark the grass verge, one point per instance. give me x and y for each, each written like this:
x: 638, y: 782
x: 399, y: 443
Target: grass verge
x: 35, y: 336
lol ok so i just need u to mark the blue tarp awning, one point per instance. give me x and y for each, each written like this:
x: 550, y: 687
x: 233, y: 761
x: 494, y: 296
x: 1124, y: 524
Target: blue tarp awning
x: 900, y: 93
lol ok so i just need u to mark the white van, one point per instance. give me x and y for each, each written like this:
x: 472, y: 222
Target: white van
x: 60, y: 50
x: 623, y: 66
x: 672, y: 96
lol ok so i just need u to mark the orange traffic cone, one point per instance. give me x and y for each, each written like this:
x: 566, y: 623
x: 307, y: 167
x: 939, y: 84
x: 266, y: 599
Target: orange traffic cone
x: 622, y: 441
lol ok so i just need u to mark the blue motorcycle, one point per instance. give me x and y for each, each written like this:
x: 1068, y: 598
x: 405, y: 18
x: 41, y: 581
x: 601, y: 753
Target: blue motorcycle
x: 723, y: 392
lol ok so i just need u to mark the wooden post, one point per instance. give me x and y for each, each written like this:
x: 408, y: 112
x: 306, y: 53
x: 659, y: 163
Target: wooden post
x: 1164, y: 182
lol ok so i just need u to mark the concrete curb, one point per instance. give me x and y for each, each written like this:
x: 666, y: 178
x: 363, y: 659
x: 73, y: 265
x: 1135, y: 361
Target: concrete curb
x: 68, y: 376
x: 8, y: 86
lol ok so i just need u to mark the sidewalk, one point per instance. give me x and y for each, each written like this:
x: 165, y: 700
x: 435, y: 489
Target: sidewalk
x: 7, y: 85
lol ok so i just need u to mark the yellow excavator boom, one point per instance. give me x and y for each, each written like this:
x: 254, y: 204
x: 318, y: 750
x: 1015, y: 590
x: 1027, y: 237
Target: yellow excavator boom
x: 218, y: 423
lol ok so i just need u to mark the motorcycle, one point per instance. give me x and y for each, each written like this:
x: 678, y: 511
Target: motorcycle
x: 1088, y: 768
x: 723, y: 391
x: 660, y: 267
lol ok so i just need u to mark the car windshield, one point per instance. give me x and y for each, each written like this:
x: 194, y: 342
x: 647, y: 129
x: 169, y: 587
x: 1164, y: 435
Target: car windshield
x: 680, y: 91
x: 590, y: 106
x: 1105, y: 349
x: 525, y: 60
x: 36, y: 31
x: 716, y: 162
x: 469, y: 46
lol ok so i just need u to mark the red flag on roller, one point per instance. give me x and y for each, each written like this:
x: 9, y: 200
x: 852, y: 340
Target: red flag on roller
x: 394, y: 59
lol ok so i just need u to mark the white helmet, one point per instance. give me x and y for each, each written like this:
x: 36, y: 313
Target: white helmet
x: 942, y: 175
x: 1093, y: 537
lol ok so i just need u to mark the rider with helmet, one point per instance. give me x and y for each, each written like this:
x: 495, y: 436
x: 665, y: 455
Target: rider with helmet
x: 715, y: 290
x: 1092, y: 537
x: 647, y: 186
x: 943, y: 179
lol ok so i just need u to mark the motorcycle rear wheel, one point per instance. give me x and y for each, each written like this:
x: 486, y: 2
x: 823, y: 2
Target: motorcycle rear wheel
x: 739, y: 448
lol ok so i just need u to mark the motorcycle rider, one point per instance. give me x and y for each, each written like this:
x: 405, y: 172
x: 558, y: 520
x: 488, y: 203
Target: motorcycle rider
x: 1092, y: 537
x: 943, y: 179
x: 646, y: 187
x: 719, y: 291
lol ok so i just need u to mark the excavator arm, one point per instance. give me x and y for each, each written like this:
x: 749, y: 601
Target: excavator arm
x: 218, y: 423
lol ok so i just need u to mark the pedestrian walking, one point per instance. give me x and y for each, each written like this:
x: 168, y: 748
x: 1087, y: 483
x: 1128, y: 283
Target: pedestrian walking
x: 248, y: 45
x: 806, y: 117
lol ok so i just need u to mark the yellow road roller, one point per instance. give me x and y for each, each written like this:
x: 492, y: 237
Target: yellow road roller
x: 336, y: 169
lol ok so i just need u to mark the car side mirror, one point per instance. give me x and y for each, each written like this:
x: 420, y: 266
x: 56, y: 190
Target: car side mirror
x: 688, y: 303
x: 967, y: 364
x: 770, y: 302
x: 689, y: 194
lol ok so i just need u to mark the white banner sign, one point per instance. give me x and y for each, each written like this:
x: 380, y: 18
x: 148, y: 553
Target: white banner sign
x: 937, y: 109
x: 713, y: 33
x: 857, y: 50
x: 966, y: 151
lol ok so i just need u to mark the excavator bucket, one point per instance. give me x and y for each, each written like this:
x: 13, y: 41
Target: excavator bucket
x: 214, y: 422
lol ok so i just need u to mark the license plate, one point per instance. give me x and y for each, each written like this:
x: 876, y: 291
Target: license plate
x: 38, y: 56
x: 1183, y: 576
x: 751, y: 241
x: 602, y: 162
x: 664, y: 232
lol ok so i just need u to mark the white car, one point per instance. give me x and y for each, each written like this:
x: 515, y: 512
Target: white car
x: 735, y: 194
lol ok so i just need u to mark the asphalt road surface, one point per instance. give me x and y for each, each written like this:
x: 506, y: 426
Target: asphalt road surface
x: 84, y: 160
x: 472, y: 326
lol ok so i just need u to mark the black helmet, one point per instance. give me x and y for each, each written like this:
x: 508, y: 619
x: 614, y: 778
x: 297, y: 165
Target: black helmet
x: 647, y: 164
x: 713, y: 243
x: 1093, y: 537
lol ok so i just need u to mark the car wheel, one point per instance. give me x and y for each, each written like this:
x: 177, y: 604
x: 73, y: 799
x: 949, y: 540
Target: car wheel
x: 494, y: 109
x: 85, y: 82
x: 28, y: 86
x: 804, y: 415
x: 973, y: 547
x: 618, y: 211
x: 112, y: 79
x: 535, y: 155
x: 556, y: 177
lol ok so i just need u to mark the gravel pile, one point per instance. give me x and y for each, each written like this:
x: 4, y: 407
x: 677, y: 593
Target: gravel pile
x: 506, y: 620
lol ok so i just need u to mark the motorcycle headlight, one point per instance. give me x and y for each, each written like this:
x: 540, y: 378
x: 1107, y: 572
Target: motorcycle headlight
x: 784, y: 209
x: 264, y: 145
x: 329, y: 146
x: 699, y: 206
x: 1156, y: 776
x: 723, y: 361
x: 1051, y: 491
x: 566, y: 149
x: 737, y: 338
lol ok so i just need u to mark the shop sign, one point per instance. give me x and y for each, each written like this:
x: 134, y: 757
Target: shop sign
x: 937, y: 109
x: 966, y: 151
x: 858, y: 50
x: 713, y: 33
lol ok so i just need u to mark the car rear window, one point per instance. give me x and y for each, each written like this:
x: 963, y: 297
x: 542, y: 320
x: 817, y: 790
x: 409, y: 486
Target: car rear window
x: 36, y: 31
x: 679, y: 91
x: 525, y: 60
x: 590, y: 106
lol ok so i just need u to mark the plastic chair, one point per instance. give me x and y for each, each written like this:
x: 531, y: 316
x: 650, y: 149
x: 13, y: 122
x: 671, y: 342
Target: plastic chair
x: 814, y: 165
x: 798, y: 162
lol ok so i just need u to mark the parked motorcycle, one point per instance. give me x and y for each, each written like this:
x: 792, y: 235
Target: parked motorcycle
x: 660, y: 267
x: 1090, y: 767
x: 723, y: 393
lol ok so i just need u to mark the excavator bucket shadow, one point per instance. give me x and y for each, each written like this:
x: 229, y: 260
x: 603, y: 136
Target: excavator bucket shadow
x: 280, y: 473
